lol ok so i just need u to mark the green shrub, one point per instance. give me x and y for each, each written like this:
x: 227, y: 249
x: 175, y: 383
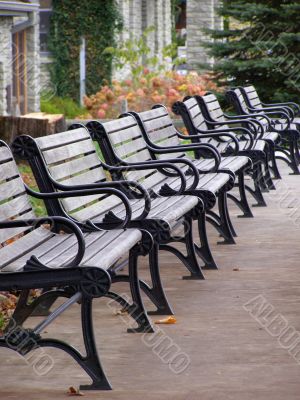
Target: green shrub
x: 60, y: 105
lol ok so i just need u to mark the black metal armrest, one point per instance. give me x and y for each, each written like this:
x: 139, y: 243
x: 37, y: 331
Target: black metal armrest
x: 287, y: 105
x: 87, y: 192
x: 253, y: 122
x: 123, y: 186
x: 175, y: 161
x: 245, y: 132
x: 153, y: 164
x: 275, y: 115
x: 190, y: 147
x: 217, y: 133
x: 52, y: 221
x: 251, y: 116
x: 273, y: 111
x: 238, y: 121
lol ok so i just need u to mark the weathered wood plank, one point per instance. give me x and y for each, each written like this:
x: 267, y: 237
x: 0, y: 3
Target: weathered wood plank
x: 69, y: 151
x: 62, y: 138
x: 75, y: 166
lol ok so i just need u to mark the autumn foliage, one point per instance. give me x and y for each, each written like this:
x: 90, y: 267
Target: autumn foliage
x: 145, y: 92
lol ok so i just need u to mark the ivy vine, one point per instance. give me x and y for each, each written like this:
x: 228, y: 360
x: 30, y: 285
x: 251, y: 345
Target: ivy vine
x: 98, y: 21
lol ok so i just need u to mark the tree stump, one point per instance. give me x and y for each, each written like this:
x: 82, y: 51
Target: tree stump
x: 34, y: 124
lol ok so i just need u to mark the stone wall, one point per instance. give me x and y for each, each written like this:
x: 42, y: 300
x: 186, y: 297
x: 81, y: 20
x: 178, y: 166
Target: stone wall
x: 33, y: 67
x: 141, y: 14
x: 5, y: 61
x: 32, y: 63
x: 200, y: 15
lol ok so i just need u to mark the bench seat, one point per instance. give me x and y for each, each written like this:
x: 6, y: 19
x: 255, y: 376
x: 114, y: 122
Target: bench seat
x: 103, y: 249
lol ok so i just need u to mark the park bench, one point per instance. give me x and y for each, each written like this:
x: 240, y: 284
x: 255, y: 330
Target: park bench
x: 199, y: 132
x: 69, y: 161
x: 52, y: 253
x: 272, y: 120
x: 216, y: 118
x: 288, y: 111
x: 160, y: 133
x: 122, y: 143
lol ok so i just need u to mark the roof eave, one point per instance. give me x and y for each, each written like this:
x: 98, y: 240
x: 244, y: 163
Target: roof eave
x: 13, y: 8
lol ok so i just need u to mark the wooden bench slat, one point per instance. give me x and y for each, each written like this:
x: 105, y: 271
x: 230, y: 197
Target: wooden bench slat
x: 7, y: 234
x: 129, y: 148
x: 63, y: 138
x: 8, y: 170
x: 14, y: 207
x: 95, y: 210
x: 141, y: 156
x: 90, y: 176
x: 11, y: 188
x: 24, y: 245
x: 158, y: 123
x: 119, y: 124
x: 69, y: 151
x: 74, y: 166
x: 5, y: 154
x: 125, y: 134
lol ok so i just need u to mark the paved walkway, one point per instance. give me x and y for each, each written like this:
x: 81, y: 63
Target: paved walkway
x: 231, y: 354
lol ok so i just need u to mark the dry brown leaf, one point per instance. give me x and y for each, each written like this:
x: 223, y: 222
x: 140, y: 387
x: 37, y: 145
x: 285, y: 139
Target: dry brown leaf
x: 167, y: 321
x: 121, y: 312
x: 74, y: 392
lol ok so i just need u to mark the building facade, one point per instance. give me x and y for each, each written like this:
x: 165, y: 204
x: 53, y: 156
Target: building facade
x: 200, y: 14
x: 140, y: 14
x: 24, y: 31
x: 19, y: 57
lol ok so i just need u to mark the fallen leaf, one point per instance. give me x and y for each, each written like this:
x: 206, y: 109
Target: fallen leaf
x: 166, y: 321
x: 235, y: 269
x: 121, y: 312
x: 74, y: 392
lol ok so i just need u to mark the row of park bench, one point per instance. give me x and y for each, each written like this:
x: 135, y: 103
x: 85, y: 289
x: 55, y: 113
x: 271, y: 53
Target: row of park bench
x: 159, y: 183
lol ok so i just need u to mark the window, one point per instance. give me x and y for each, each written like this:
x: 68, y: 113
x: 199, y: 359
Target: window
x: 44, y: 29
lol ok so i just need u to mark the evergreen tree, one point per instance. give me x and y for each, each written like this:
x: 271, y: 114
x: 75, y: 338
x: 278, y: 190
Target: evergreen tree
x: 259, y: 44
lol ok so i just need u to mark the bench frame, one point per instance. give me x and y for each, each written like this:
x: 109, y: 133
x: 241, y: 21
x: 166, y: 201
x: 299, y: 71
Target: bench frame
x: 257, y: 157
x: 287, y: 150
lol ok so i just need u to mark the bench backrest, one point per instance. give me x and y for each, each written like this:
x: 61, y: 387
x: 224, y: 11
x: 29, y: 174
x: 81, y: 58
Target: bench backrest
x: 211, y: 107
x: 15, y: 205
x: 121, y: 140
x: 14, y: 202
x: 70, y: 158
x: 194, y: 118
x: 235, y: 97
x: 159, y: 129
x: 251, y: 96
x: 195, y: 114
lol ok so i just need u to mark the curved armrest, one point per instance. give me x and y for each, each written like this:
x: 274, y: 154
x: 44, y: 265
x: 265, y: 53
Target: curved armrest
x: 123, y: 186
x: 287, y: 105
x: 256, y: 125
x: 52, y: 221
x: 273, y: 111
x: 251, y: 116
x: 190, y: 147
x: 239, y: 129
x: 87, y: 192
x: 185, y: 161
x: 215, y: 133
x: 237, y: 121
x: 153, y: 164
x: 275, y: 114
x: 260, y: 127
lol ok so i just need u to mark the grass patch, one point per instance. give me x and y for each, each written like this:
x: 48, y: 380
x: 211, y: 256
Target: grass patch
x: 27, y: 175
x: 60, y: 105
